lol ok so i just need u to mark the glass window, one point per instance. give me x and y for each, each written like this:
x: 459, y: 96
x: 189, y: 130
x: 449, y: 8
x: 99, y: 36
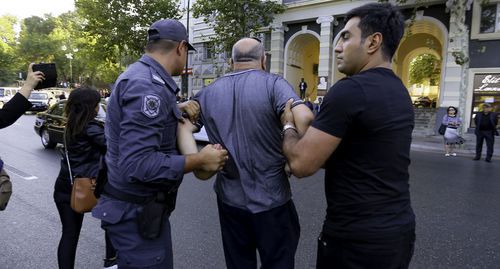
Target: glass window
x: 486, y: 20
x: 38, y: 95
x: 486, y: 89
x: 58, y: 109
x: 489, y: 16
x: 209, y: 51
x: 2, y: 92
x: 267, y: 41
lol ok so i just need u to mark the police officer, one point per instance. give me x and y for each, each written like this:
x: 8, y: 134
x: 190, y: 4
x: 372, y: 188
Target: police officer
x: 144, y: 167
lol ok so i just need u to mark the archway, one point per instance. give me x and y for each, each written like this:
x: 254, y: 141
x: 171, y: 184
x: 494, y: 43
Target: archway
x: 426, y: 36
x: 302, y: 60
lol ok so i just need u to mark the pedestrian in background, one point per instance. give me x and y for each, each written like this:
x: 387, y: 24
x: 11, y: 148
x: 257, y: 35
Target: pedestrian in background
x: 362, y: 138
x: 486, y: 124
x: 451, y: 136
x: 85, y: 143
x: 242, y: 111
x: 145, y: 168
x: 302, y: 88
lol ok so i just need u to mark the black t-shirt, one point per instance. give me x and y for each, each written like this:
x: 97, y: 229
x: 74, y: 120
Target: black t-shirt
x: 366, y: 178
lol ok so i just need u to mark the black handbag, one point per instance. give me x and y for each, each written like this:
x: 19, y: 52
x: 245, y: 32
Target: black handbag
x: 442, y: 129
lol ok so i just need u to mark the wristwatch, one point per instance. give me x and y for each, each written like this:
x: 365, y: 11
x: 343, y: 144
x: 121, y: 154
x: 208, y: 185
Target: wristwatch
x: 286, y: 127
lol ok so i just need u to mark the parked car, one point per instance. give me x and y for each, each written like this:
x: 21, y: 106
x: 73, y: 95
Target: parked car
x: 49, y: 125
x: 424, y: 101
x: 201, y: 136
x: 6, y: 93
x: 41, y: 100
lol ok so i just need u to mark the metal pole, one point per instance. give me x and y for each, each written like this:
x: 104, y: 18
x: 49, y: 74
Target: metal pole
x: 70, y: 71
x: 185, y: 76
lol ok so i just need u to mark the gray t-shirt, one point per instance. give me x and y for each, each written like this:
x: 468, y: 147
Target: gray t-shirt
x: 241, y: 111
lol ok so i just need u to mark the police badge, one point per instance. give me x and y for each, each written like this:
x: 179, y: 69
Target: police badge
x: 151, y: 106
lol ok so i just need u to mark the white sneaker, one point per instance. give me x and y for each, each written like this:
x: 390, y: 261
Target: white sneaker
x: 447, y: 155
x: 112, y: 267
x: 453, y: 154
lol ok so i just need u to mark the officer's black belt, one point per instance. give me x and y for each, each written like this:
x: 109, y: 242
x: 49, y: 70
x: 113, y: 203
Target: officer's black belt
x: 120, y: 195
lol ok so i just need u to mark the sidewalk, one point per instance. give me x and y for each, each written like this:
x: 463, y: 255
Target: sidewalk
x: 435, y: 144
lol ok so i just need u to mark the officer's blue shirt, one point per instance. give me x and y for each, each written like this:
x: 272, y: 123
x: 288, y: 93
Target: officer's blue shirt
x: 141, y: 127
x: 241, y: 111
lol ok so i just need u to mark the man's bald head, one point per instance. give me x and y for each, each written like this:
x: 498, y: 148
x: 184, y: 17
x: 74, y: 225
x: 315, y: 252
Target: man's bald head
x: 248, y: 50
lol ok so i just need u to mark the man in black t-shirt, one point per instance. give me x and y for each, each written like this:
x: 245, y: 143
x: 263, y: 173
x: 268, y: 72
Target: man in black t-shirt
x: 362, y: 137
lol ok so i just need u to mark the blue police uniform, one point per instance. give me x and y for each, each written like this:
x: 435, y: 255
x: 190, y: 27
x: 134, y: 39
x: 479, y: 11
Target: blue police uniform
x: 142, y: 160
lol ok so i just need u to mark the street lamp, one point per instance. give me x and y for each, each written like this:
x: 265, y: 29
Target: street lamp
x: 69, y: 56
x: 185, y: 76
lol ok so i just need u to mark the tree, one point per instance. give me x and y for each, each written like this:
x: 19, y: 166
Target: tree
x: 35, y: 45
x: 425, y: 67
x: 233, y: 20
x: 8, y: 59
x: 120, y: 26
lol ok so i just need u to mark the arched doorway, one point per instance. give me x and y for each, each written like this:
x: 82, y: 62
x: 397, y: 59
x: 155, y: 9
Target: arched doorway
x: 423, y: 49
x: 302, y: 60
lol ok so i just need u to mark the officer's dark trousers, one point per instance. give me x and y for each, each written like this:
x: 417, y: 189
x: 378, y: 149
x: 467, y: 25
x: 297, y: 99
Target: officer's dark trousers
x: 390, y: 251
x: 274, y: 234
x: 135, y: 252
x: 490, y: 141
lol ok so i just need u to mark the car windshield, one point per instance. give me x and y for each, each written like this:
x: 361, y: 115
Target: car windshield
x: 38, y: 95
x: 2, y: 92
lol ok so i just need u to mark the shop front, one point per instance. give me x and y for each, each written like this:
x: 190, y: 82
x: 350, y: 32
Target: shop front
x: 486, y: 89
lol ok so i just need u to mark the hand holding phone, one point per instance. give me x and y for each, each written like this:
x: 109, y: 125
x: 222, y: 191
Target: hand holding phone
x: 50, y: 74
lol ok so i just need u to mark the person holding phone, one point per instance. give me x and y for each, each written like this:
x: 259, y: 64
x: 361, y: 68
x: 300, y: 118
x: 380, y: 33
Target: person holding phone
x: 19, y: 104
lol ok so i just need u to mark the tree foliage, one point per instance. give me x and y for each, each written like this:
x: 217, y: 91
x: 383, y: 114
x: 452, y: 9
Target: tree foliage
x: 8, y: 59
x: 233, y: 20
x: 120, y: 26
x: 425, y: 67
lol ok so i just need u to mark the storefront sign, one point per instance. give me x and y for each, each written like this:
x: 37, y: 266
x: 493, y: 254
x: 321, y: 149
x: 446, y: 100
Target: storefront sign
x: 486, y: 83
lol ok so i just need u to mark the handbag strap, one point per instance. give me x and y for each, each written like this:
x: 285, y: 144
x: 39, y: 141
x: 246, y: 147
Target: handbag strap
x: 67, y: 159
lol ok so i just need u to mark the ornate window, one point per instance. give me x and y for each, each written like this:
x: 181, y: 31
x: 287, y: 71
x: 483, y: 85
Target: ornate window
x: 486, y: 20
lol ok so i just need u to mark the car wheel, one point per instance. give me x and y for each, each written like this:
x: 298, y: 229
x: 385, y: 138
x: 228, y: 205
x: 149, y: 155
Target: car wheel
x: 46, y: 142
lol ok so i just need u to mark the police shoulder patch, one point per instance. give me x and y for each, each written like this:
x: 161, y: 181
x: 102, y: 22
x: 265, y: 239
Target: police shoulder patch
x: 151, y: 105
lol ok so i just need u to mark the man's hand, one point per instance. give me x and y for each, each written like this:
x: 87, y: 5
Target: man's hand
x: 32, y: 79
x: 287, y: 117
x: 191, y: 108
x: 214, y: 158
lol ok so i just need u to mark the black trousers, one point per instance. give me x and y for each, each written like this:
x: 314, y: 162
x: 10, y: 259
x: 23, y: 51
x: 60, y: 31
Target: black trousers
x: 393, y: 251
x: 274, y: 234
x: 490, y: 141
x: 71, y: 225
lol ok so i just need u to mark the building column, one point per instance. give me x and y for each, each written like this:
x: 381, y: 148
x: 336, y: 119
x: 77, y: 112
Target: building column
x: 277, y: 48
x: 325, y: 51
x: 457, y: 66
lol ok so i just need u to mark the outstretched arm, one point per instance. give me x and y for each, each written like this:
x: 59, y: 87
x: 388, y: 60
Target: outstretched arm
x: 187, y: 146
x: 306, y: 154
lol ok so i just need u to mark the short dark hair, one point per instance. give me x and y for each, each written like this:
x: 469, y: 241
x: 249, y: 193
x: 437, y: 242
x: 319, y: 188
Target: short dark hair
x: 450, y: 107
x: 164, y: 45
x: 383, y: 18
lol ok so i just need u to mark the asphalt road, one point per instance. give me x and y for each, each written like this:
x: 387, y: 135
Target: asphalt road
x: 456, y: 200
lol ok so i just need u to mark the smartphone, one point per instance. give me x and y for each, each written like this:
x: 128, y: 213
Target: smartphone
x: 50, y: 72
